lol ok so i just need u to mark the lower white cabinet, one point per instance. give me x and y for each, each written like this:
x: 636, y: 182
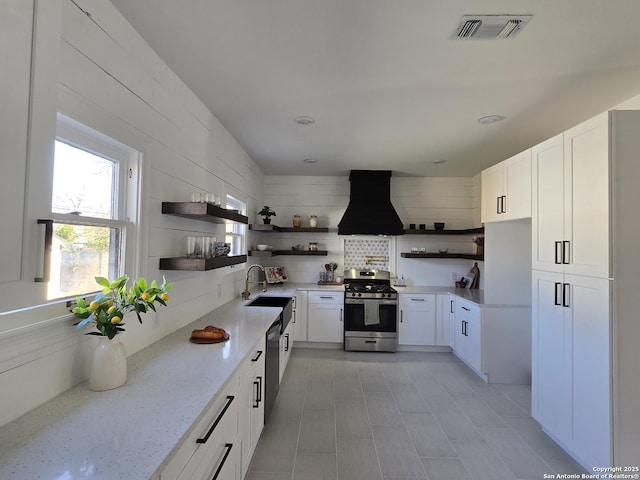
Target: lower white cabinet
x: 417, y: 324
x: 468, y: 333
x: 300, y: 316
x: 493, y: 340
x: 213, y: 448
x: 251, y: 418
x: 571, y: 363
x: 286, y: 344
x: 325, y: 317
x: 444, y: 309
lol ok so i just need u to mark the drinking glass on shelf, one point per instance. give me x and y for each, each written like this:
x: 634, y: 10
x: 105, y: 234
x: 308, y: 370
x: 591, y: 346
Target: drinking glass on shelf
x: 191, y: 247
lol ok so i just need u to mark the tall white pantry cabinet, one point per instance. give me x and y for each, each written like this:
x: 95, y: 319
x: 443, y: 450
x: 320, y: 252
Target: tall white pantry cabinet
x: 586, y: 324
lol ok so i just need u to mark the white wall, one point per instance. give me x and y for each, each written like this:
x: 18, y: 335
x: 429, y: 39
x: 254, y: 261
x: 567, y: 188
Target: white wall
x: 416, y: 199
x: 110, y: 79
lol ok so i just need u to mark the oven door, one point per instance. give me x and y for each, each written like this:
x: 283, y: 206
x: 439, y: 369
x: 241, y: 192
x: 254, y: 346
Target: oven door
x: 377, y: 317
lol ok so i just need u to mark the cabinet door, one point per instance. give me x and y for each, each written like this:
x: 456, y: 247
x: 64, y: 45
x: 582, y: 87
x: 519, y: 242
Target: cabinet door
x: 470, y: 333
x: 586, y: 227
x: 325, y: 323
x: 417, y: 320
x: 551, y: 356
x: 300, y: 317
x: 590, y: 314
x: 492, y: 193
x: 548, y: 204
x: 443, y: 324
x: 16, y: 23
x: 517, y: 186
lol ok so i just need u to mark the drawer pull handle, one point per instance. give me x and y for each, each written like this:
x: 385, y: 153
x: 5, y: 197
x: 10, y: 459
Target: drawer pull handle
x: 465, y: 308
x: 228, y: 447
x: 257, y: 356
x: 370, y: 341
x: 417, y: 299
x: 286, y: 348
x: 215, y: 424
x: 258, y: 384
x: 326, y: 298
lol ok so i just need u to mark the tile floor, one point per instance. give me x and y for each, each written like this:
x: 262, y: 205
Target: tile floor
x: 409, y: 415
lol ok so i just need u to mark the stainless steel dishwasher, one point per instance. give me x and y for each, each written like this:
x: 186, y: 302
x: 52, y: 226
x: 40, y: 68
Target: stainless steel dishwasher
x: 272, y: 367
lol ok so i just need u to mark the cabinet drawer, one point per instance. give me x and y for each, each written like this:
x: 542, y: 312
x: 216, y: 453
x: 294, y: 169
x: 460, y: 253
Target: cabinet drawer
x: 218, y: 426
x: 334, y: 298
x: 422, y: 301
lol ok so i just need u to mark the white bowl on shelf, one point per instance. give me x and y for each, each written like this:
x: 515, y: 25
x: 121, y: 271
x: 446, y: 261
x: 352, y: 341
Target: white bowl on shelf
x: 262, y: 248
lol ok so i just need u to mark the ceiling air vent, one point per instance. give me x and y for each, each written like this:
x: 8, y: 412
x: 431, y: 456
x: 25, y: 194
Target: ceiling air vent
x: 483, y: 27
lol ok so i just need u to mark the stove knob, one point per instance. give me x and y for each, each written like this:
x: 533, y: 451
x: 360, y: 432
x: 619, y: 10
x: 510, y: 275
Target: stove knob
x: 359, y: 294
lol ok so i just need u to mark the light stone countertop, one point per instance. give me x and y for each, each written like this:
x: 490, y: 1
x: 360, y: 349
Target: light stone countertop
x: 129, y: 432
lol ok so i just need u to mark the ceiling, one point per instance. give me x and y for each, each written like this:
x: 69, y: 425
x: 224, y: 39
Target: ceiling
x: 387, y: 84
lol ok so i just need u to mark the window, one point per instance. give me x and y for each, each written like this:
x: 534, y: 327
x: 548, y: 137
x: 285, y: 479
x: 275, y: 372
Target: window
x: 93, y: 209
x: 236, y: 232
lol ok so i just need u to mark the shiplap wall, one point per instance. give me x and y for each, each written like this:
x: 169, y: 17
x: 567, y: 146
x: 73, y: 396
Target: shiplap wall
x: 417, y: 200
x: 111, y: 80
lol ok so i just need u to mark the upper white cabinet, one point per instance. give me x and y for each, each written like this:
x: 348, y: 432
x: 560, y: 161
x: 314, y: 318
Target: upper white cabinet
x: 16, y: 21
x: 571, y: 201
x: 506, y: 189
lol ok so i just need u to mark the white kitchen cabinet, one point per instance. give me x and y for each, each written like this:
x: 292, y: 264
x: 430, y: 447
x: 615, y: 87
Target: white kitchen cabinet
x: 585, y: 264
x: 468, y: 334
x: 213, y: 445
x: 444, y: 303
x: 286, y: 344
x: 571, y: 367
x: 29, y: 59
x: 571, y: 201
x: 493, y: 340
x: 16, y: 24
x: 417, y: 324
x: 325, y: 317
x: 300, y: 316
x: 251, y: 417
x: 506, y: 189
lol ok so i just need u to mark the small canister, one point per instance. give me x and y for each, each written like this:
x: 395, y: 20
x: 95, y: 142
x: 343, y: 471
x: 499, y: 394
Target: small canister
x: 297, y: 221
x: 313, y: 221
x: 313, y: 246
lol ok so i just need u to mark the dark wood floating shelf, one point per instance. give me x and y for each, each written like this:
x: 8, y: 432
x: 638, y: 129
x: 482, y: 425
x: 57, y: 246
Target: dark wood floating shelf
x: 467, y: 256
x: 274, y: 228
x: 468, y: 231
x: 205, y: 212
x: 200, y: 264
x: 274, y: 253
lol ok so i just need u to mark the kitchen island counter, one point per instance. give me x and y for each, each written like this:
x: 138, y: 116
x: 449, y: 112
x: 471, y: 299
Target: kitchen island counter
x: 129, y: 432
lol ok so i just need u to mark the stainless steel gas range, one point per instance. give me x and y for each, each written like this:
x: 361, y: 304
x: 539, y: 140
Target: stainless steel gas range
x: 370, y: 311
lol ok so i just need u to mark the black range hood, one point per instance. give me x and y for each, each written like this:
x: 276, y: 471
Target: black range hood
x: 370, y: 211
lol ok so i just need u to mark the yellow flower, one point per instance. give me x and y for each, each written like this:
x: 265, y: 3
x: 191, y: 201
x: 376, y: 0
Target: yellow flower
x: 94, y: 306
x: 115, y: 320
x: 164, y: 296
x: 145, y: 296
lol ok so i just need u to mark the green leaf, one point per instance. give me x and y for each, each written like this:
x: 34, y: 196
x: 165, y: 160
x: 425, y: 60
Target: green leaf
x: 103, y: 282
x: 142, y: 284
x: 80, y: 302
x: 154, y: 284
x: 119, y: 282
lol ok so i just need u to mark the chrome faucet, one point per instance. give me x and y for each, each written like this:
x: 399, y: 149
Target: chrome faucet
x: 246, y: 294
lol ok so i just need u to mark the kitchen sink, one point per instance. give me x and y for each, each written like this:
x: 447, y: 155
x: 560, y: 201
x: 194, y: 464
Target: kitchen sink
x: 269, y: 302
x: 286, y: 303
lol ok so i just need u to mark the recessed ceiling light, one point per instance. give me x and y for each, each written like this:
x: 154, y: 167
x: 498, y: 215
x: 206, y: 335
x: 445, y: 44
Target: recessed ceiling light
x: 304, y: 120
x: 438, y: 162
x: 491, y: 119
x: 310, y: 160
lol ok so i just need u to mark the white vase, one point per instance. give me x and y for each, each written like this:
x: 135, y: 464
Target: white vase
x: 109, y: 365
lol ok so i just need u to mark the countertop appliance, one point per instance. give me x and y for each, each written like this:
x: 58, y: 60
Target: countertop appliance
x: 370, y: 311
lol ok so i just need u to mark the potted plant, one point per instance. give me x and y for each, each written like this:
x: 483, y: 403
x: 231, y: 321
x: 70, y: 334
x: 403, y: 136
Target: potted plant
x: 266, y: 213
x: 479, y: 241
x: 106, y: 312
